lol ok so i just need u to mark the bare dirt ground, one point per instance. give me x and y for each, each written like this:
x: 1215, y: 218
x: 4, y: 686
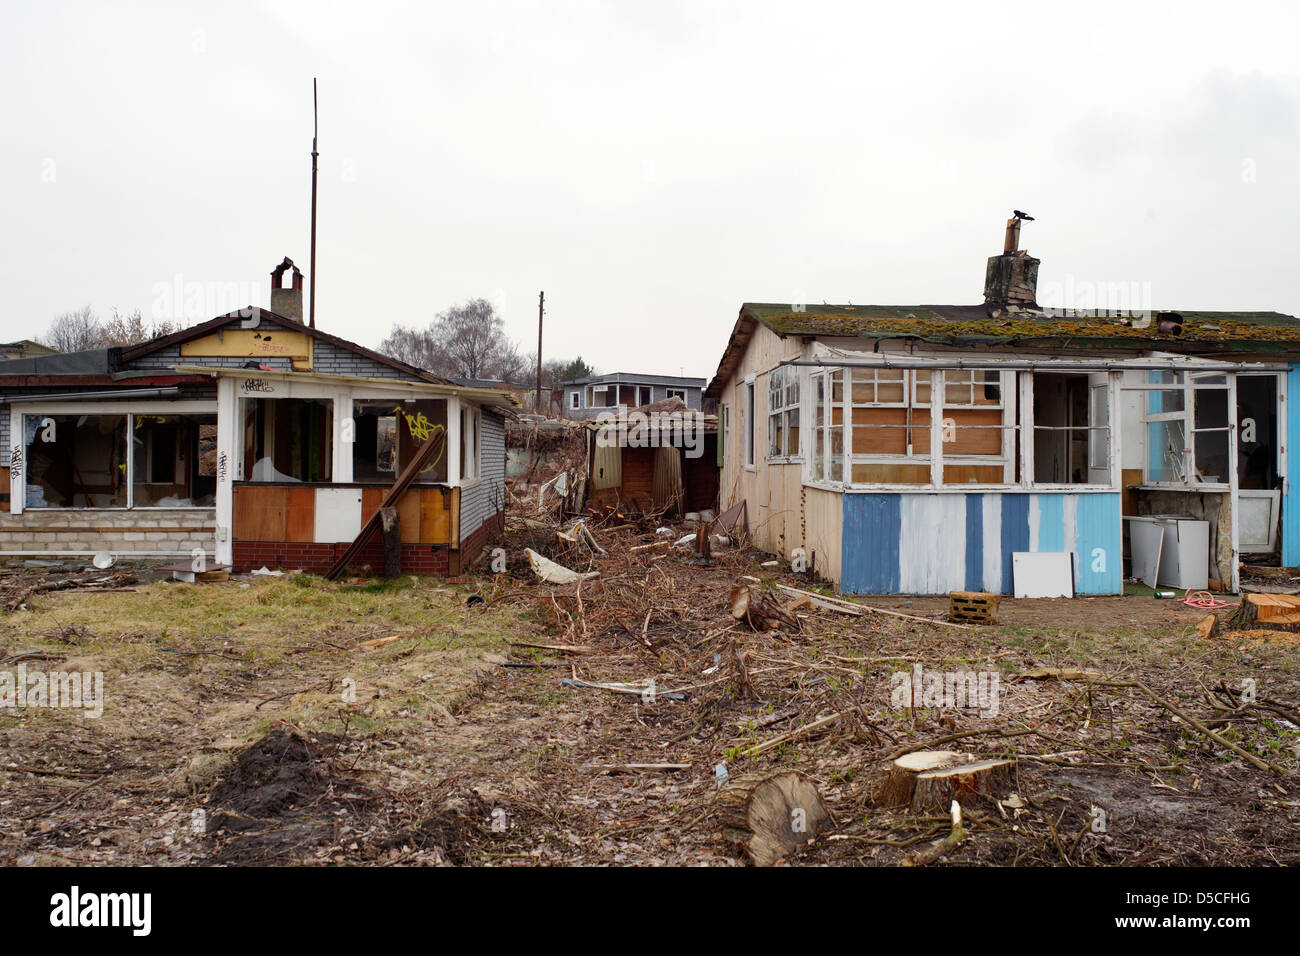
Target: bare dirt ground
x: 296, y: 721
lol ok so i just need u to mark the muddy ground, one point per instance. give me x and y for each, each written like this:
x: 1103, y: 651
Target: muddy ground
x: 290, y: 720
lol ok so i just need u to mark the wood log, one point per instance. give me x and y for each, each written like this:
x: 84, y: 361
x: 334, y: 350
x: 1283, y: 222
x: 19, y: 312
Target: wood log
x: 937, y: 789
x: 901, y: 783
x: 772, y: 816
x: 390, y: 523
x: 759, y: 612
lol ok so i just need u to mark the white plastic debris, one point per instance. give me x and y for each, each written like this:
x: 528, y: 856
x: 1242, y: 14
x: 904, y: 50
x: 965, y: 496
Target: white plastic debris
x: 264, y: 572
x: 684, y: 540
x: 553, y: 573
x: 103, y: 560
x: 663, y: 530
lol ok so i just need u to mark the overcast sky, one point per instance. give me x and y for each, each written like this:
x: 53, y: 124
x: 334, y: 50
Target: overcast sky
x: 651, y: 165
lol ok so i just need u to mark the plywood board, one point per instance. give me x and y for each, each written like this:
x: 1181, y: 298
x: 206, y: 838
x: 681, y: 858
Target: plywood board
x: 300, y: 514
x: 1043, y: 574
x: 1257, y: 513
x: 268, y: 342
x: 435, y: 519
x: 338, y: 514
x: 259, y: 513
x: 408, y: 513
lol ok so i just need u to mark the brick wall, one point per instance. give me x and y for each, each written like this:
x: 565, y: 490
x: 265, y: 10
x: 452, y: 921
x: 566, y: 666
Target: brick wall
x: 153, y: 531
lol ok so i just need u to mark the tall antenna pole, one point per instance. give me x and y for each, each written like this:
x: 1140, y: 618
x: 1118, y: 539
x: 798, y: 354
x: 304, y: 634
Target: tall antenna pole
x: 315, y: 128
x: 541, y: 308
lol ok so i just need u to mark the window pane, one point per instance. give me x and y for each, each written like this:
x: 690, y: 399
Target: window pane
x: 792, y: 432
x: 774, y: 434
x: 374, y: 440
x: 288, y: 439
x: 175, y: 460
x: 1167, y: 442
x: 418, y: 421
x: 75, y: 461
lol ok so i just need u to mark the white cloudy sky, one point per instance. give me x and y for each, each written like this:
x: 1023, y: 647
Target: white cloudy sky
x: 651, y: 165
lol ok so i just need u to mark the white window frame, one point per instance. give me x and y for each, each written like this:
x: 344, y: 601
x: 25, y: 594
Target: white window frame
x: 18, y: 450
x: 784, y: 380
x: 1186, y: 383
x: 1015, y: 399
x: 575, y: 399
x: 751, y: 423
x: 470, y: 431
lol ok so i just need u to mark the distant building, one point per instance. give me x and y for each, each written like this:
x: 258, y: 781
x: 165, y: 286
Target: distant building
x: 588, y: 397
x: 24, y: 349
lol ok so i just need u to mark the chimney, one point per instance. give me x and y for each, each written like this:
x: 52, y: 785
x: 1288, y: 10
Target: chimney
x: 1012, y: 278
x: 287, y: 302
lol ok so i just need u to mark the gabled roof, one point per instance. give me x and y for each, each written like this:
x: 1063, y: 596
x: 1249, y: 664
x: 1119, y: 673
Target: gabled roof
x: 1003, y: 326
x: 266, y: 315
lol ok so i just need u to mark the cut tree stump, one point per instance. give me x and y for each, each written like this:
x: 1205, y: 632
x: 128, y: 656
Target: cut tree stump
x: 1278, y: 611
x: 901, y: 782
x: 758, y: 612
x: 772, y: 816
x: 937, y: 789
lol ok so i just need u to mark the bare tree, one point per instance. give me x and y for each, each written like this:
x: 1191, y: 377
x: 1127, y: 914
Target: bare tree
x: 75, y: 331
x: 82, y: 330
x: 467, y: 341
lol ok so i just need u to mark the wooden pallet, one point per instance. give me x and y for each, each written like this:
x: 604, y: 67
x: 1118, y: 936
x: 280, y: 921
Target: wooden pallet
x: 973, y: 607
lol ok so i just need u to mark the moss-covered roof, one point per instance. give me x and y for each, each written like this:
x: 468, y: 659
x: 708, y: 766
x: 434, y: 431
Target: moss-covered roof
x: 954, y: 323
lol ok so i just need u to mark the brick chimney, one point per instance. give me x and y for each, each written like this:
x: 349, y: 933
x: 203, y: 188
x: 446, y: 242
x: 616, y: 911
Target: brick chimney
x: 1012, y: 278
x: 287, y: 302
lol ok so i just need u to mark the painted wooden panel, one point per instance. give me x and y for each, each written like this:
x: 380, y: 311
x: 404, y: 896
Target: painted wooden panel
x: 268, y: 341
x: 338, y: 514
x: 937, y: 543
x: 259, y: 513
x: 408, y: 515
x: 1291, y: 500
x: 435, y: 517
x: 300, y: 514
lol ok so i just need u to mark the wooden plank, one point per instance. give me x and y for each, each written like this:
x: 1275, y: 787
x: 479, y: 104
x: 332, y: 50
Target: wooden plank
x: 268, y: 341
x: 300, y: 514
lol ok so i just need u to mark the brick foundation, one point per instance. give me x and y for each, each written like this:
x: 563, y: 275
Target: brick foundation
x: 434, y: 560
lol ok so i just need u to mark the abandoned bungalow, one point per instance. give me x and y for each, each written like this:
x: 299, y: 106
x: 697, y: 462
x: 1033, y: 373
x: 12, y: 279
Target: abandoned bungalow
x: 1007, y: 448
x: 251, y: 438
x: 601, y: 394
x: 659, y: 458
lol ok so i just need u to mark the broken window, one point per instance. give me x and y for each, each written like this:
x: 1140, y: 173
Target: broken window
x: 374, y: 440
x: 175, y: 460
x: 749, y: 423
x: 75, y: 461
x: 288, y: 439
x: 978, y: 429
x: 1187, y: 428
x: 890, y: 426
x: 828, y: 426
x: 1257, y: 465
x: 783, y: 412
x: 1071, y: 428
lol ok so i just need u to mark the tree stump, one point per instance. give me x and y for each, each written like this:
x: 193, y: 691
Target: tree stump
x: 1280, y: 612
x: 937, y: 789
x: 772, y: 816
x: 758, y: 612
x: 901, y: 782
x: 390, y: 524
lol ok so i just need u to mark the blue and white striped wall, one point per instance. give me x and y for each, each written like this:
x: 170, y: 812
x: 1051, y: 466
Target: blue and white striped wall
x: 918, y: 543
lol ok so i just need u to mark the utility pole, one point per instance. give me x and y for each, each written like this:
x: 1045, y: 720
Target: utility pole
x: 541, y: 309
x: 314, y: 154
